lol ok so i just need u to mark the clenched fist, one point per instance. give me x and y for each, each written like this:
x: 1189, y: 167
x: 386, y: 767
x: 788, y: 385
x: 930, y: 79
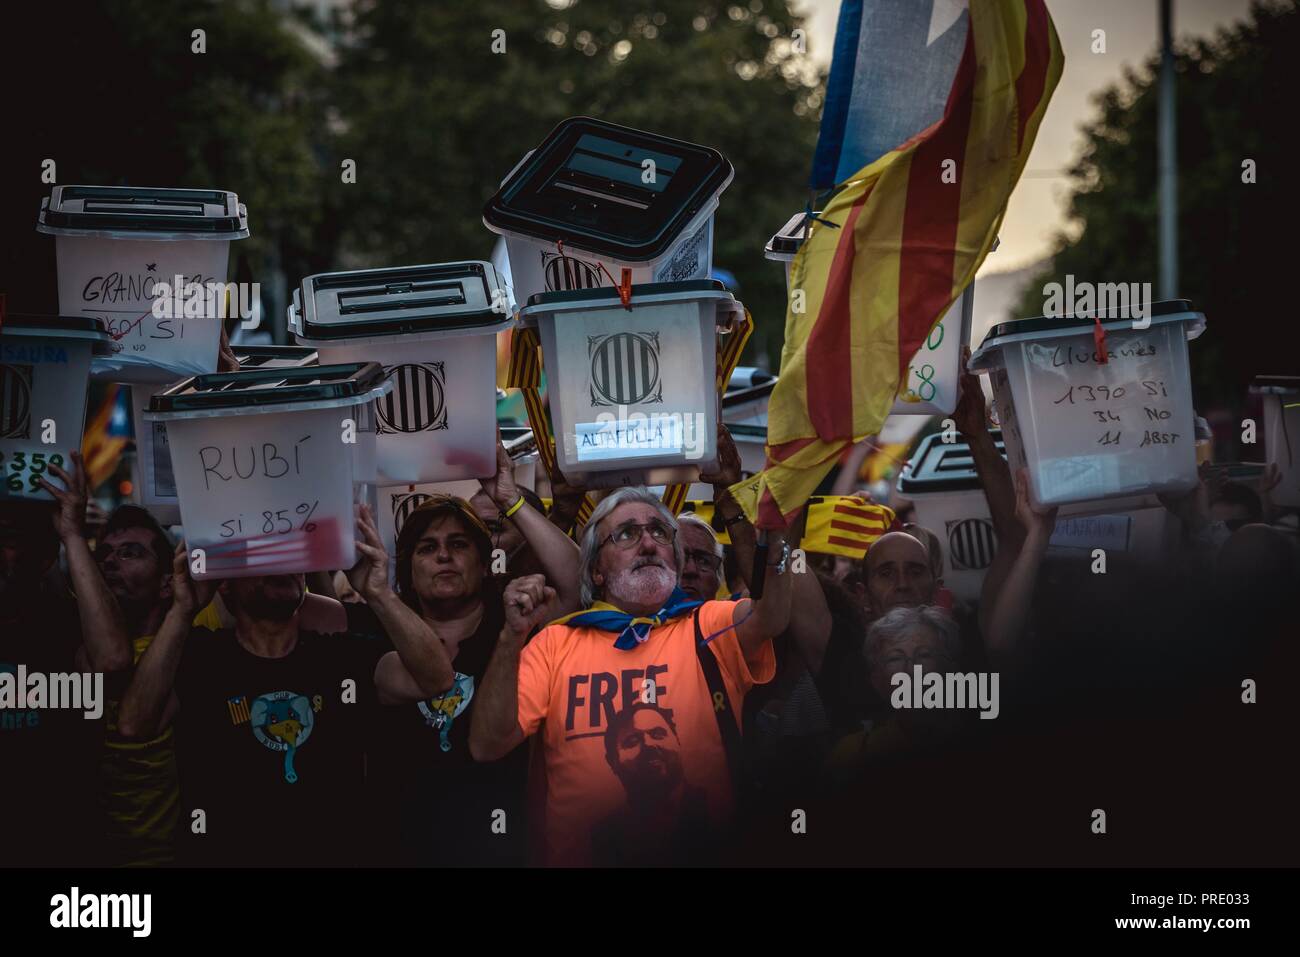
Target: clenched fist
x: 529, y: 602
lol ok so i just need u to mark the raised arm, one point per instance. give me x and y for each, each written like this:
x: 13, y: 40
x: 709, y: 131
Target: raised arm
x: 494, y: 729
x: 971, y: 417
x: 105, y: 643
x: 419, y: 667
x: 566, y: 501
x: 1005, y: 608
x: 555, y: 551
x: 757, y: 622
x: 145, y: 707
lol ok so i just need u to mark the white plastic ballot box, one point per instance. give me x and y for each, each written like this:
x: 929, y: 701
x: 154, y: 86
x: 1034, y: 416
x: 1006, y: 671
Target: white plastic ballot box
x: 1088, y: 429
x: 44, y: 373
x: 394, y: 503
x: 941, y: 482
x: 266, y: 462
x: 117, y: 247
x: 595, y: 199
x: 434, y: 330
x: 1281, y: 396
x: 632, y: 390
x: 152, y: 478
x: 931, y: 386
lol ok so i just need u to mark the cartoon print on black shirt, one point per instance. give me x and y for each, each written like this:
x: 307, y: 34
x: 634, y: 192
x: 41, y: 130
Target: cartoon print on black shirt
x: 282, y: 721
x: 440, y: 712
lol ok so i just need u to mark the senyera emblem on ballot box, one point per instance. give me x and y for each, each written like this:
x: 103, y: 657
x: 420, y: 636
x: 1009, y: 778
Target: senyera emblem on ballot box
x: 15, y: 401
x: 971, y: 543
x: 418, y: 400
x: 625, y: 368
x: 404, y: 505
x: 564, y: 272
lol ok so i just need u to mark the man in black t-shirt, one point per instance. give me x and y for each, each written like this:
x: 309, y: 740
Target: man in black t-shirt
x: 273, y: 720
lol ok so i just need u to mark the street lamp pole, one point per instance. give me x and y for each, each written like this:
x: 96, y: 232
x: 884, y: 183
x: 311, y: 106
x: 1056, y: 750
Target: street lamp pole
x: 1168, y: 159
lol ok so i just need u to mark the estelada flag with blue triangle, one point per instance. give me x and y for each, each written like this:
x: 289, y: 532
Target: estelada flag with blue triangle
x: 931, y: 112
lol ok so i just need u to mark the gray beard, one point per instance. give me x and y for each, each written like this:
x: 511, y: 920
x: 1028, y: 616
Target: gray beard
x: 648, y: 585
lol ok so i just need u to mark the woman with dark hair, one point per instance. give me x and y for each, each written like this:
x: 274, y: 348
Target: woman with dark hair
x: 451, y: 810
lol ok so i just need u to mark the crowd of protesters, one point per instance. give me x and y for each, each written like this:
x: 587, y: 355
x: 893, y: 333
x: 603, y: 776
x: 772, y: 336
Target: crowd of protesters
x: 531, y: 689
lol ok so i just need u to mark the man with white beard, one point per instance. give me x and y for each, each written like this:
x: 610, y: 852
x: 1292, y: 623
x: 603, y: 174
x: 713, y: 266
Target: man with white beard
x: 638, y: 640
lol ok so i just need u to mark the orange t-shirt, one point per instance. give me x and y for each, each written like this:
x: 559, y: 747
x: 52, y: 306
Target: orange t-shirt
x: 572, y: 683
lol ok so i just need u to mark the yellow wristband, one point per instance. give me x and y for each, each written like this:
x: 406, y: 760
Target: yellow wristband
x: 519, y: 502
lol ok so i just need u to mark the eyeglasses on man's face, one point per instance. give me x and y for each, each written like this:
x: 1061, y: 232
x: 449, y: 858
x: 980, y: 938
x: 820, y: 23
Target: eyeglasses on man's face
x: 628, y: 535
x: 706, y: 561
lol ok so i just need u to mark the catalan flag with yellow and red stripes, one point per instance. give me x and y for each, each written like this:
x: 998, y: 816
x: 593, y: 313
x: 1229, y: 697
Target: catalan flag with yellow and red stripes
x: 904, y: 232
x: 105, y: 437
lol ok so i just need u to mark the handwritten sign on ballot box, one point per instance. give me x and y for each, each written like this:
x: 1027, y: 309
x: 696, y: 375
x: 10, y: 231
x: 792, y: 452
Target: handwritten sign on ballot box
x: 265, y: 464
x: 930, y: 387
x: 1092, y: 429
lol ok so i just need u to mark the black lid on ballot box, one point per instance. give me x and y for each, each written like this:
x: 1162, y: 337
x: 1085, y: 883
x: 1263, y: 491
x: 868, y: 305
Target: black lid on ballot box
x: 401, y: 300
x: 586, y: 185
x: 210, y: 213
x: 938, y: 466
x: 250, y: 388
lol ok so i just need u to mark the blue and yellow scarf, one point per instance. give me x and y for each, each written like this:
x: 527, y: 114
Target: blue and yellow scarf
x: 631, y: 630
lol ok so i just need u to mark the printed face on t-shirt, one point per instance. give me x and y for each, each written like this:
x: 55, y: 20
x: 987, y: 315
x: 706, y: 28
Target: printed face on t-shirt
x: 639, y: 577
x: 645, y: 752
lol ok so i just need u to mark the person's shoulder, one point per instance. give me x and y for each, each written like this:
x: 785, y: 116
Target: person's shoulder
x: 716, y: 615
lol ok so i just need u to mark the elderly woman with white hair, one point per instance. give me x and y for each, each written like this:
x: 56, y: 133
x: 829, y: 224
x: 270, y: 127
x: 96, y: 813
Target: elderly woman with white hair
x: 640, y: 639
x: 899, y: 641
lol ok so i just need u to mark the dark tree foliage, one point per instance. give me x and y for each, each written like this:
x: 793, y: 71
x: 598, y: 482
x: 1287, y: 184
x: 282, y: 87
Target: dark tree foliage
x: 435, y: 119
x: 413, y: 93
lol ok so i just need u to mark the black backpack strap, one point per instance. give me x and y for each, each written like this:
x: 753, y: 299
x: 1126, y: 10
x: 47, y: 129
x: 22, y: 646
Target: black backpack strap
x: 728, y: 729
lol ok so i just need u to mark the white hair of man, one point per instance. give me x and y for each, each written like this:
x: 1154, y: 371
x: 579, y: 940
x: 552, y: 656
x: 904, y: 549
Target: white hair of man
x: 591, y: 543
x: 692, y: 519
x: 895, y: 625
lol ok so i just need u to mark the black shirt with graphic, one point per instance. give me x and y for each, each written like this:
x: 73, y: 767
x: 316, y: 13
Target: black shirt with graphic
x: 439, y: 806
x: 272, y: 750
x: 48, y: 756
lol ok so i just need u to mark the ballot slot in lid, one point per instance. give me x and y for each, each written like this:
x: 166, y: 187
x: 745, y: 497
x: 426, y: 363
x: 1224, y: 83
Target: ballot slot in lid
x: 608, y: 189
x: 433, y: 328
x: 212, y: 212
x: 273, y: 356
x: 397, y: 301
x: 250, y: 389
